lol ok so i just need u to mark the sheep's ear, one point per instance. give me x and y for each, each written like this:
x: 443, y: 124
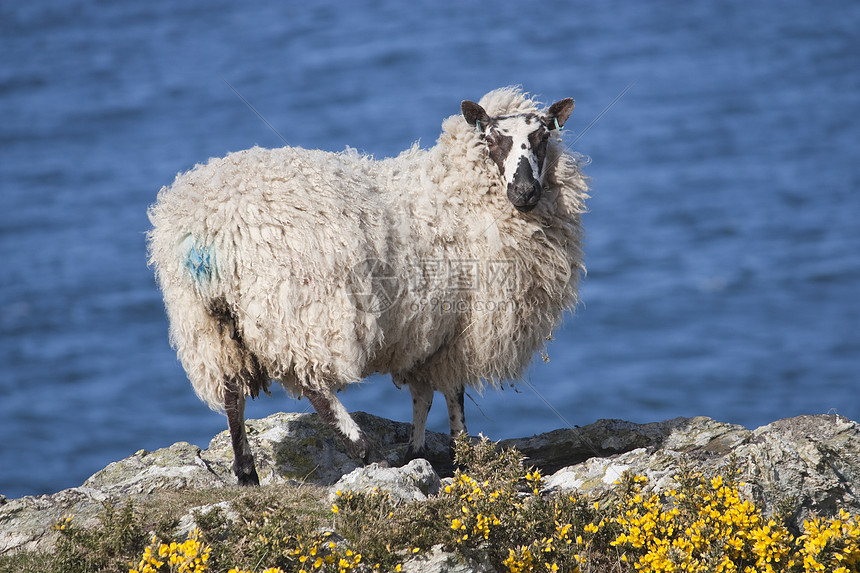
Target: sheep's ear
x: 558, y: 113
x: 475, y: 115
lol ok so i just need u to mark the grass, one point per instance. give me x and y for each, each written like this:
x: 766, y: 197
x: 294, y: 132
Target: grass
x: 494, y: 512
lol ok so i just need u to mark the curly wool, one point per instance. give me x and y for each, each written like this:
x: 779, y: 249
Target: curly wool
x: 335, y: 265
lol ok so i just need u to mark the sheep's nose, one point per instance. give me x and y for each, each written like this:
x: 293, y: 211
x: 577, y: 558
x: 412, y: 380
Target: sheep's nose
x: 530, y: 194
x: 524, y: 191
x: 524, y: 195
x: 525, y: 198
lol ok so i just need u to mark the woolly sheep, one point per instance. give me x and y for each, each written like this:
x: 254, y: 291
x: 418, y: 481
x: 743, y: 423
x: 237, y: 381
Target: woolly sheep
x: 444, y: 267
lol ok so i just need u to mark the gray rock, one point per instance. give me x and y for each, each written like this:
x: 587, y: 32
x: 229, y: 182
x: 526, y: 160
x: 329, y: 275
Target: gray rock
x: 412, y: 482
x: 812, y: 463
x: 560, y: 448
x: 814, y: 460
x: 28, y: 523
x: 180, y: 466
x: 287, y: 447
x: 292, y: 446
x: 439, y: 561
x: 189, y: 521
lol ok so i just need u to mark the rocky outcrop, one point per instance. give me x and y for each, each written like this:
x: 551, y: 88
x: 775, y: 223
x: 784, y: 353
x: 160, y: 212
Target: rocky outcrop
x: 412, y: 482
x: 439, y: 561
x: 813, y: 462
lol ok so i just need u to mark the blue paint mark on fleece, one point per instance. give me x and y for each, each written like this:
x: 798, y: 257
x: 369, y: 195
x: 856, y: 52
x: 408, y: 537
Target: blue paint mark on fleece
x: 199, y: 260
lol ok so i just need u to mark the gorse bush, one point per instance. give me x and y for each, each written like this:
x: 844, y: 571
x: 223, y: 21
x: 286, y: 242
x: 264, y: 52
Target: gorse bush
x: 706, y: 526
x: 495, y: 511
x: 81, y: 550
x: 190, y: 556
x: 501, y: 514
x: 275, y: 540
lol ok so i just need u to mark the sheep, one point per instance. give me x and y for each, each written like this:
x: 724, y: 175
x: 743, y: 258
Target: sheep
x: 445, y: 267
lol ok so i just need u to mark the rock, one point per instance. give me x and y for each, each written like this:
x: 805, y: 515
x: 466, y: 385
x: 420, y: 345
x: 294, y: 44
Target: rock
x: 189, y: 521
x: 180, y: 466
x: 438, y: 561
x: 287, y: 447
x: 302, y: 447
x: 814, y: 460
x: 654, y: 450
x: 810, y: 462
x: 561, y: 448
x: 28, y: 523
x: 412, y: 482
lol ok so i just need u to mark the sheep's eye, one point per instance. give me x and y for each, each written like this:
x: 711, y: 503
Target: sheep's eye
x: 538, y: 140
x: 538, y: 137
x: 499, y: 146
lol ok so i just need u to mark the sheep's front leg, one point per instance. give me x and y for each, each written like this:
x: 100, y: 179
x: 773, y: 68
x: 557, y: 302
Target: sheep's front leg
x: 422, y: 399
x: 331, y: 410
x: 456, y: 413
x: 243, y: 460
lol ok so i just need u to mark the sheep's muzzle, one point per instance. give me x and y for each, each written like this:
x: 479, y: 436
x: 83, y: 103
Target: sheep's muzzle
x: 524, y: 191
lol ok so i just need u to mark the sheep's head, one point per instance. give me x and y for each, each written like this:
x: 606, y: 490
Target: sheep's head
x: 517, y: 145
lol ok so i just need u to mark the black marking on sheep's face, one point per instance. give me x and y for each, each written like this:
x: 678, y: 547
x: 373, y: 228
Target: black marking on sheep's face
x: 499, y: 146
x: 517, y: 144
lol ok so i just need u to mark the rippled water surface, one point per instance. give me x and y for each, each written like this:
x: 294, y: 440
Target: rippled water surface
x: 723, y: 240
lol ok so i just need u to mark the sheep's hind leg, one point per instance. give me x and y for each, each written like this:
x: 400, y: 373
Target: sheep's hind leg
x: 331, y: 410
x: 422, y: 399
x: 243, y: 459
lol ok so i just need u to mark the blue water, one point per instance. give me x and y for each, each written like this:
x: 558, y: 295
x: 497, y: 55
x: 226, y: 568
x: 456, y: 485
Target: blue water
x: 723, y: 239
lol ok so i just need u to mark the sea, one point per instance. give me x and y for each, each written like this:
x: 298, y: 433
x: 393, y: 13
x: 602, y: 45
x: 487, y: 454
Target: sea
x: 723, y: 232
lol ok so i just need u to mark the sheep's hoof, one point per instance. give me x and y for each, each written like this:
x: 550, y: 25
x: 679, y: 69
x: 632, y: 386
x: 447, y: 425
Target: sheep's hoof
x: 413, y: 454
x: 375, y: 457
x: 361, y: 449
x: 249, y: 479
x: 358, y: 449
